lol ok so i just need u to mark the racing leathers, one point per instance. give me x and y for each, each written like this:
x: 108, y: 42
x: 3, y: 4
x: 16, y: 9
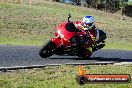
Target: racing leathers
x: 92, y: 35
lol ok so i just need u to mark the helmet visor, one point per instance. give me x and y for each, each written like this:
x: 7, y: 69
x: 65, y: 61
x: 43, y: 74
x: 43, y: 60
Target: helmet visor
x: 87, y: 25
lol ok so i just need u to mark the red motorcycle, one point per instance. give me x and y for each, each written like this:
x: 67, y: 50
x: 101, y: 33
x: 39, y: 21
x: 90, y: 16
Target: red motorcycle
x: 67, y: 40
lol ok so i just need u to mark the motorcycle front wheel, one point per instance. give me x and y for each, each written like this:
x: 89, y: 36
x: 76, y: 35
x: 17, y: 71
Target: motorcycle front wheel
x: 47, y: 49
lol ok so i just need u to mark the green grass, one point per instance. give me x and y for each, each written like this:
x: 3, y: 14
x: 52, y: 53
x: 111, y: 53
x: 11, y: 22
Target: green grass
x: 25, y: 25
x: 60, y: 77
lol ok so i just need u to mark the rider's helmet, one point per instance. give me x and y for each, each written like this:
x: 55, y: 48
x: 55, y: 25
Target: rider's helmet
x: 88, y: 22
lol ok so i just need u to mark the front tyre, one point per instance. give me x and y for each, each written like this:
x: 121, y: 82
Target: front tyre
x: 47, y: 50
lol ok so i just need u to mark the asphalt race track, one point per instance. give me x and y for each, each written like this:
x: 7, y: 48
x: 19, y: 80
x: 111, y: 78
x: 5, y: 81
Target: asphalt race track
x: 11, y: 55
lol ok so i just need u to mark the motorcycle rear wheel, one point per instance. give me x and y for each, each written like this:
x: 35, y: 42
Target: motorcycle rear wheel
x: 47, y: 49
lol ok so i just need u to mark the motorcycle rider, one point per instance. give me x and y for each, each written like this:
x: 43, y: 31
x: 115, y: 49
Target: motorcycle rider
x: 87, y: 24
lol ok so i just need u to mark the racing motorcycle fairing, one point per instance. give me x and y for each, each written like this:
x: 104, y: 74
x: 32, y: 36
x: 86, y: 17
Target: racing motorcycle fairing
x: 67, y: 40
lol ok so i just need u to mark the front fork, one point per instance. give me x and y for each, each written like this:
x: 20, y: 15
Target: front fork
x: 56, y: 41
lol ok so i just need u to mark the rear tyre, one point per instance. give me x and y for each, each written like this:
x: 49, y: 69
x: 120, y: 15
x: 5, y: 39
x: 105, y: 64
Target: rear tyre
x: 47, y: 49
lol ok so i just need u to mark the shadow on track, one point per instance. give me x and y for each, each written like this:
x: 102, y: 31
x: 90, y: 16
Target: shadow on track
x: 96, y: 58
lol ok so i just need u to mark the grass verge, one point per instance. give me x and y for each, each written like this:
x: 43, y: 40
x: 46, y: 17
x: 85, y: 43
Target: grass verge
x: 60, y: 77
